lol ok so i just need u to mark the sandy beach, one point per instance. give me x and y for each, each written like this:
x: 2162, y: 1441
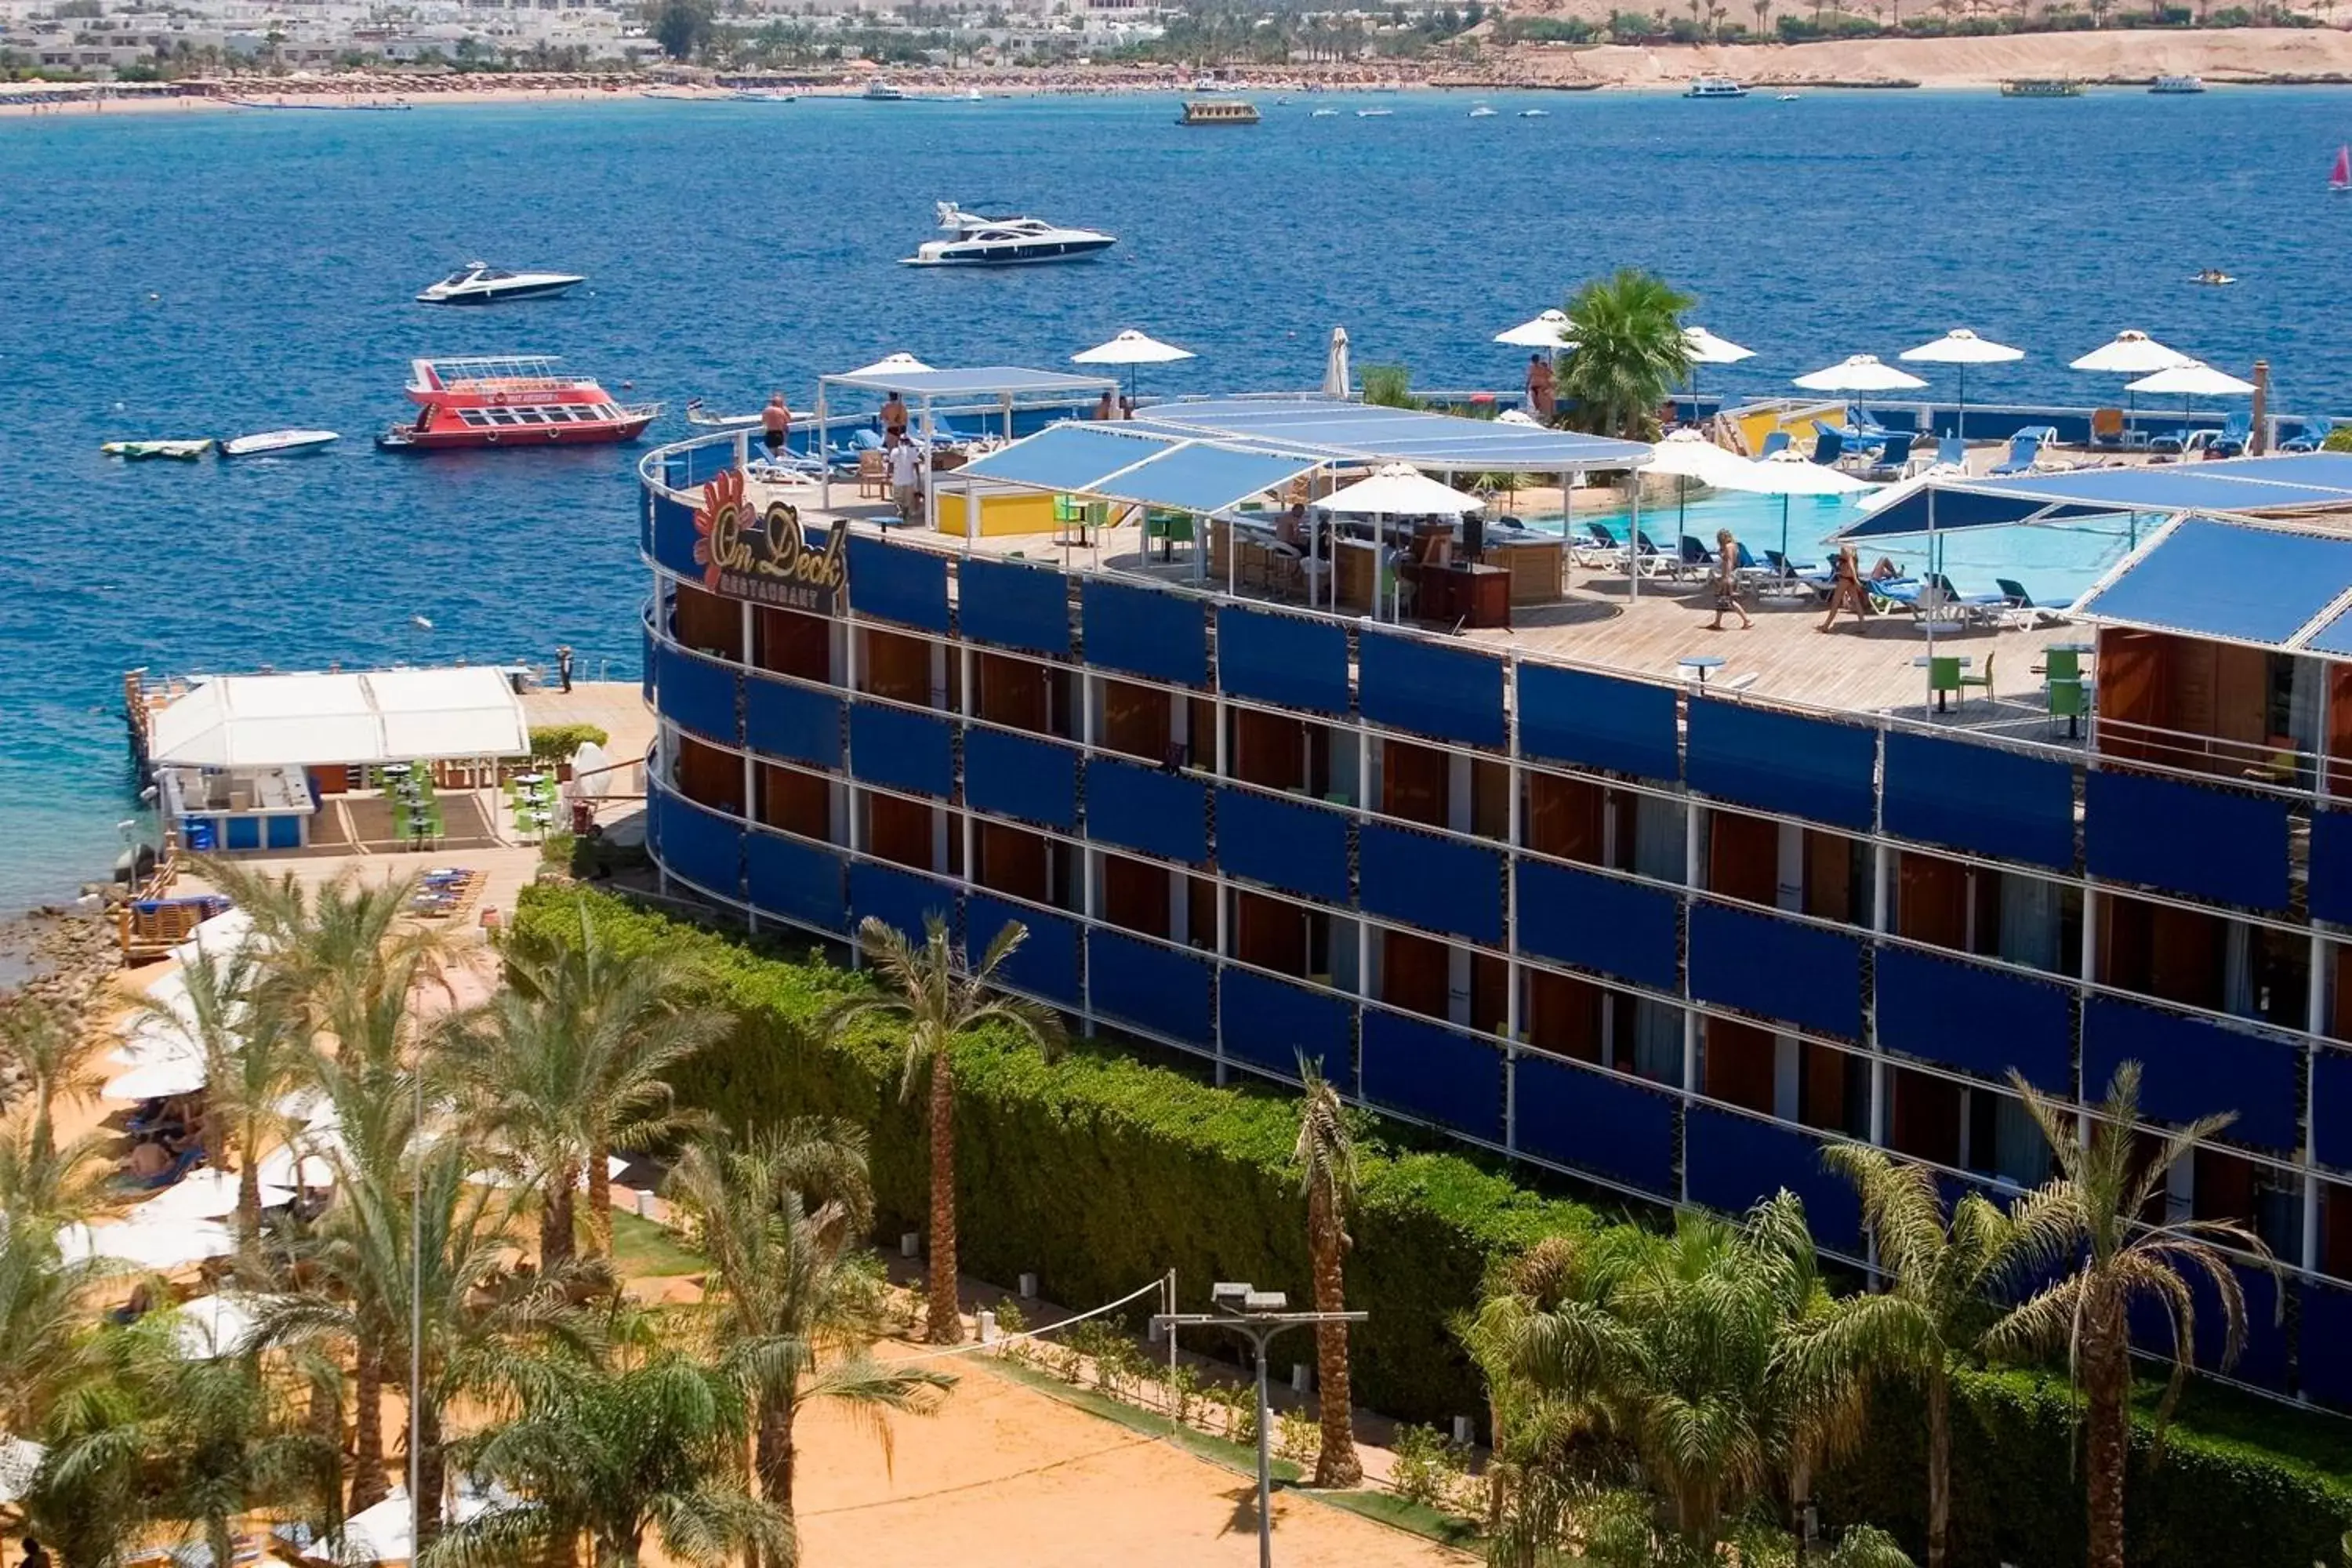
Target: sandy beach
x: 2223, y: 56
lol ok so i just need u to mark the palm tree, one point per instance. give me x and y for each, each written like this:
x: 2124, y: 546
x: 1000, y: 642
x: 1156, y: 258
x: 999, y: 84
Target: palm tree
x: 53, y: 1054
x: 939, y: 996
x: 2088, y: 1220
x: 1325, y: 1157
x: 253, y: 1058
x: 647, y: 1442
x: 1933, y: 1307
x: 42, y: 1321
x: 1629, y: 352
x: 791, y: 1315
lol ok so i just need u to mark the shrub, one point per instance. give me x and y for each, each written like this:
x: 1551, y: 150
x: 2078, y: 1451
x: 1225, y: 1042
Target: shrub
x: 1299, y: 1437
x: 1420, y: 1473
x: 556, y: 743
x: 2339, y: 439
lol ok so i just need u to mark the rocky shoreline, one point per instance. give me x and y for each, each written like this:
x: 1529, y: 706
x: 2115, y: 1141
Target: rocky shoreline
x: 58, y: 960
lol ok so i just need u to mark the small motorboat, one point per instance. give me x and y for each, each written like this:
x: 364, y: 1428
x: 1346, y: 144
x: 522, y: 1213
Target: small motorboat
x: 747, y: 95
x: 1481, y: 112
x: 1786, y: 98
x: 703, y: 418
x: 1324, y: 114
x: 2214, y: 278
x: 1534, y: 114
x: 1374, y: 114
x: 148, y: 451
x: 478, y: 283
x: 279, y: 444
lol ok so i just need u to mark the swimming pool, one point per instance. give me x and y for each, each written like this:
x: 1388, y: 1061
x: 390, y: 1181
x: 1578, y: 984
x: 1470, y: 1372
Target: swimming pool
x: 2055, y: 564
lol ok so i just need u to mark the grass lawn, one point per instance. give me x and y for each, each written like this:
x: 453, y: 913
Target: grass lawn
x: 644, y: 1251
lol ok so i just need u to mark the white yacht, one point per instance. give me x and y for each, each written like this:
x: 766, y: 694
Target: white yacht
x: 1481, y: 112
x: 1004, y: 241
x: 1713, y: 86
x: 478, y: 283
x: 2176, y: 86
x: 880, y: 92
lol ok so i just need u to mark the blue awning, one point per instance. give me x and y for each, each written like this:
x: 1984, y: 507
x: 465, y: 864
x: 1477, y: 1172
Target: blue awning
x: 2272, y: 587
x: 1119, y: 462
x: 2244, y: 485
x: 1366, y: 433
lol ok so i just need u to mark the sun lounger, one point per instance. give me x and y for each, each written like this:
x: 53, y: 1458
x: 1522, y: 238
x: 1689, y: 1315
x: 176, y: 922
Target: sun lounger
x: 1802, y: 571
x: 1594, y: 546
x: 2107, y: 426
x: 2023, y: 450
x: 1864, y: 428
x: 1778, y: 441
x: 1952, y: 452
x: 1694, y: 559
x: 1894, y: 460
x: 2023, y: 611
x: 2171, y: 442
x: 1989, y: 607
x: 2310, y: 439
x: 1829, y: 446
x: 2236, y: 432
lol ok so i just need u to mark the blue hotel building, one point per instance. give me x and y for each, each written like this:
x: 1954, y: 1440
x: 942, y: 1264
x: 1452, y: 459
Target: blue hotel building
x: 1667, y: 937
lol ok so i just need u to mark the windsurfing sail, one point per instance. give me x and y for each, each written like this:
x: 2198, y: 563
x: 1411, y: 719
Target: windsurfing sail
x: 2341, y: 180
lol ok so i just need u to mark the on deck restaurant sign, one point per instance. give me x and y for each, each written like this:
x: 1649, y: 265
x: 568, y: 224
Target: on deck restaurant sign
x: 763, y: 556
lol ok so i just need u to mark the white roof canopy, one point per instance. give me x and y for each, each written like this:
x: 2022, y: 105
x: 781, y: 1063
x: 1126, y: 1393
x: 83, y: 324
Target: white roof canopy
x: 302, y: 721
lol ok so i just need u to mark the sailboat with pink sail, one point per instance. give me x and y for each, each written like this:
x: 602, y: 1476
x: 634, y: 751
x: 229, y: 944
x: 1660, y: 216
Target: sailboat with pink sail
x: 2340, y: 181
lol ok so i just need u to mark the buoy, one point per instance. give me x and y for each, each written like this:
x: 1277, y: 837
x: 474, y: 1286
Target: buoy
x: 419, y: 621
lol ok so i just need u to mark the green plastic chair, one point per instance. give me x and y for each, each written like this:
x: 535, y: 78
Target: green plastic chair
x: 2070, y: 700
x: 1984, y: 680
x: 1067, y: 510
x: 2062, y: 664
x: 1943, y: 676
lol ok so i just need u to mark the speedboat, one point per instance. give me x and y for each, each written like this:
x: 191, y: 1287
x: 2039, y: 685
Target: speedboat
x: 2213, y: 278
x: 147, y: 451
x: 1534, y: 114
x: 1786, y: 98
x: 1324, y: 114
x: 1374, y: 114
x: 279, y: 444
x: 478, y: 283
x: 510, y: 402
x: 1004, y: 241
x: 703, y: 418
x: 1481, y: 112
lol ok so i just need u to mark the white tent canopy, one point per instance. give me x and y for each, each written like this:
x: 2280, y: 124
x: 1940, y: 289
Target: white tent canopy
x: 147, y: 1244
x: 204, y: 1194
x: 208, y: 1328
x: 301, y: 721
x: 1398, y: 491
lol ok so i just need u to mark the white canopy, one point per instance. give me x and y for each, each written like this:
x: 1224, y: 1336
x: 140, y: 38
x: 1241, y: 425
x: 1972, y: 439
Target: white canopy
x: 2130, y: 353
x: 1961, y: 346
x: 1399, y: 490
x: 1132, y: 347
x: 1859, y: 372
x: 158, y: 1078
x: 1705, y: 348
x: 383, y: 1533
x: 222, y: 936
x: 900, y: 364
x: 308, y: 1164
x: 384, y: 716
x: 1687, y: 454
x: 204, y: 1195
x: 208, y: 1328
x: 145, y: 1244
x: 1785, y: 473
x: 1517, y: 416
x: 1335, y: 365
x: 20, y: 1461
x: 1553, y: 329
x: 2193, y: 379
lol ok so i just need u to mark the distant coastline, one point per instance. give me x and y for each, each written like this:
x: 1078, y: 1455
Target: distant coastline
x: 2120, y: 59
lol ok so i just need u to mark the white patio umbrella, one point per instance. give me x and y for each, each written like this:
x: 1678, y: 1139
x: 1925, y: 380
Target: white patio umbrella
x: 2130, y: 353
x: 204, y: 1194
x: 1400, y: 490
x: 206, y: 1328
x: 20, y: 1461
x: 1859, y: 372
x: 591, y: 772
x: 147, y: 1245
x: 220, y: 937
x: 149, y: 1039
x: 383, y: 1533
x: 1689, y: 455
x: 1517, y: 416
x: 900, y: 364
x: 1962, y: 348
x: 1553, y: 329
x: 1132, y: 348
x: 2192, y: 379
x: 1705, y: 348
x: 1336, y: 383
x: 288, y: 1168
x: 1786, y: 474
x: 158, y: 1079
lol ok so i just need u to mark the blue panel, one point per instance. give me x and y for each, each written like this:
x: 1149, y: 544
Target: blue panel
x: 2224, y: 579
x: 1430, y: 690
x: 1017, y: 605
x: 1810, y: 977
x: 2329, y: 885
x: 1598, y: 722
x: 1045, y: 964
x: 1591, y: 1119
x: 1272, y: 1023
x: 797, y: 723
x: 1069, y: 456
x: 1145, y: 631
x: 1600, y: 923
x: 898, y: 898
x: 1437, y: 1074
x: 1162, y: 989
x: 1284, y: 844
x: 2326, y: 1343
x: 1780, y: 762
x: 1282, y: 658
x: 2331, y: 1108
x: 898, y: 582
x: 2209, y: 843
x: 901, y: 749
x: 1981, y: 798
x: 1204, y: 478
x: 282, y: 833
x: 1369, y: 433
x: 795, y: 881
x: 1006, y: 774
x: 1967, y: 1015
x: 241, y: 832
x: 699, y: 694
x: 2193, y: 1069
x: 1137, y: 807
x: 1438, y: 884
x: 1733, y: 1162
x: 702, y: 846
x: 674, y: 538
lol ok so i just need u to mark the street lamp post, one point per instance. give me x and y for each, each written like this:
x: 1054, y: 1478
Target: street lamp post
x: 1258, y: 1316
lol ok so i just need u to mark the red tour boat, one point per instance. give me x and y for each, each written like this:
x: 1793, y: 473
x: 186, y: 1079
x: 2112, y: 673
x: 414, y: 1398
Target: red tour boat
x: 510, y: 402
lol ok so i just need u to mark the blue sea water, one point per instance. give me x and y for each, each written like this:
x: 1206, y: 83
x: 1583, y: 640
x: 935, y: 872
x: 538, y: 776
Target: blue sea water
x: 210, y: 274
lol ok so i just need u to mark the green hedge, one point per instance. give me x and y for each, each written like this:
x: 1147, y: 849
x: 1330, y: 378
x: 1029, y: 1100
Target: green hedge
x: 1099, y: 1173
x: 2016, y: 1495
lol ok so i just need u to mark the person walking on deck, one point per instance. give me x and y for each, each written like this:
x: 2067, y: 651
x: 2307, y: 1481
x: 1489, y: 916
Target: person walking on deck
x: 1727, y: 581
x: 776, y: 425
